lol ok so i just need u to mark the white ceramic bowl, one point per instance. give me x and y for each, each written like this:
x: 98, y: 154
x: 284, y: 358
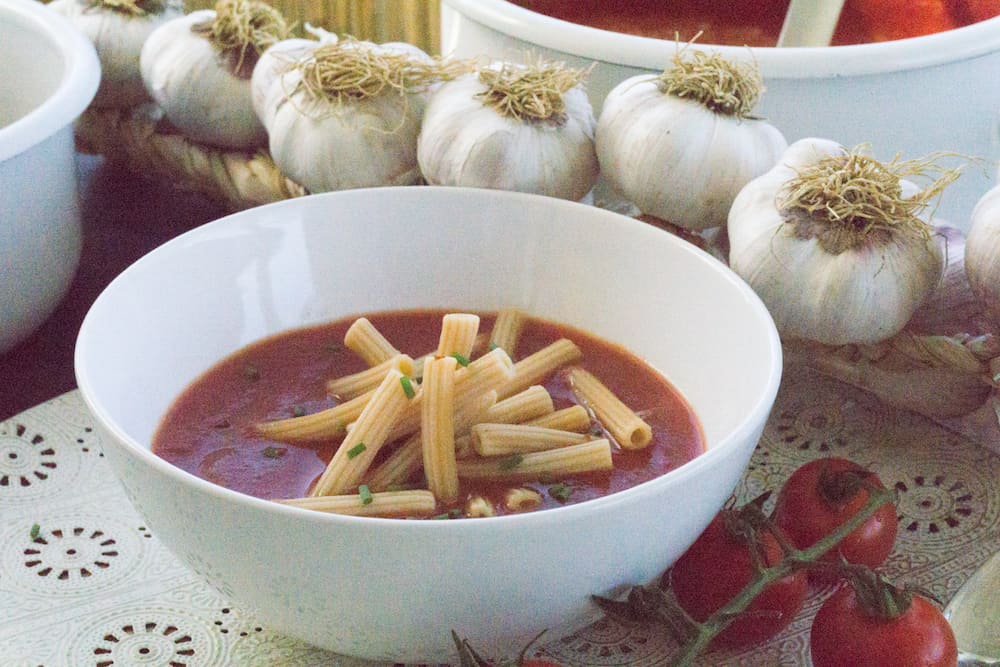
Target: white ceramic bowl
x: 392, y: 589
x: 50, y: 75
x: 912, y: 96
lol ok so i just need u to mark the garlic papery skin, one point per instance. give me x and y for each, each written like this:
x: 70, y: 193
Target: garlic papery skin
x: 982, y: 254
x: 834, y: 281
x: 202, y: 87
x: 334, y: 125
x: 680, y: 148
x: 467, y: 141
x: 118, y: 30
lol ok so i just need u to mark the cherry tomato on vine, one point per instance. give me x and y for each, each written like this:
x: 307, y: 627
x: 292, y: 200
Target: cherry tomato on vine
x: 718, y: 566
x: 852, y: 630
x: 820, y: 496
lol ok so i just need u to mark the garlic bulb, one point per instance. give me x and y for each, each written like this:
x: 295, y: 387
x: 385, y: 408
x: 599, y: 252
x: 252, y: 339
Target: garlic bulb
x: 982, y: 254
x: 347, y: 114
x: 510, y: 127
x: 118, y: 29
x: 833, y: 242
x: 681, y: 145
x: 279, y: 58
x: 197, y: 68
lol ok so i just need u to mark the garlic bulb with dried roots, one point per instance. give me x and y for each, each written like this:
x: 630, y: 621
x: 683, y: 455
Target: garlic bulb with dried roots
x: 118, y: 29
x: 346, y: 114
x: 197, y: 68
x: 681, y: 145
x: 507, y: 126
x: 982, y: 254
x: 834, y: 242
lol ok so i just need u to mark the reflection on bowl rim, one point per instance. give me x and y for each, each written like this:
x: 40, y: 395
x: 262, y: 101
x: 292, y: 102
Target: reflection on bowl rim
x: 75, y: 90
x: 792, y: 63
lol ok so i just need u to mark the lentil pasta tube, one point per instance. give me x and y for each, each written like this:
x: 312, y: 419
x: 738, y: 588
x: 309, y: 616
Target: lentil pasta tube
x: 387, y: 503
x: 621, y: 421
x: 535, y: 367
x: 591, y: 456
x: 437, y: 428
x: 507, y: 330
x: 458, y: 334
x: 323, y: 425
x: 502, y: 439
x: 367, y: 342
x: 354, y: 384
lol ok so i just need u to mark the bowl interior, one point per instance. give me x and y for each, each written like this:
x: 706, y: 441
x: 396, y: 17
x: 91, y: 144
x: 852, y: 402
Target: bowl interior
x: 34, y: 66
x: 203, y: 295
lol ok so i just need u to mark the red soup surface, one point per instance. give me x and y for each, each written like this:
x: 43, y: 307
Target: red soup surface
x: 209, y: 430
x: 758, y: 22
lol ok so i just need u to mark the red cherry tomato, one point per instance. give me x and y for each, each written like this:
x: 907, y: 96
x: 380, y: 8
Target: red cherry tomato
x: 823, y: 494
x: 843, y: 633
x: 717, y: 567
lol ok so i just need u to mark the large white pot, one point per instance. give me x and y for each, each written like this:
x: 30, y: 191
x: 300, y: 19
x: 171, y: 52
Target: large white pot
x: 50, y: 75
x: 913, y: 96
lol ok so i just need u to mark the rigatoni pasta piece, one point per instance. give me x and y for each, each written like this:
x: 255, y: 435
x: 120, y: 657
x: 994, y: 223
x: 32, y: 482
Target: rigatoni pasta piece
x: 348, y: 386
x: 413, y: 503
x: 477, y: 507
x: 407, y: 459
x: 591, y: 456
x: 437, y: 428
x: 507, y: 330
x: 367, y: 342
x: 521, y: 499
x: 458, y: 335
x: 323, y: 425
x: 621, y: 421
x: 502, y: 439
x: 574, y: 418
x: 535, y: 367
x: 362, y: 442
x: 531, y: 403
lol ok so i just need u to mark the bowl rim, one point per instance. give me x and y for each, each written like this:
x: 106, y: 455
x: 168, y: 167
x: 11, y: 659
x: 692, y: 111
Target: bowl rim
x: 649, y: 53
x: 76, y: 89
x: 755, y: 417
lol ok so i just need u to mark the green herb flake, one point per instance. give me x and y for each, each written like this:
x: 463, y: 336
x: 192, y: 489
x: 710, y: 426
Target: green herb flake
x: 356, y: 450
x: 298, y: 411
x: 560, y: 492
x: 274, y: 452
x: 251, y: 372
x: 366, y: 494
x: 450, y: 514
x: 36, y: 530
x: 407, y: 386
x: 333, y: 347
x: 461, y: 359
x: 494, y: 346
x: 511, y: 462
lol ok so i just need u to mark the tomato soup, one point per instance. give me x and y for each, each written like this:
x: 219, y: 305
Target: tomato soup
x: 758, y: 22
x: 210, y: 429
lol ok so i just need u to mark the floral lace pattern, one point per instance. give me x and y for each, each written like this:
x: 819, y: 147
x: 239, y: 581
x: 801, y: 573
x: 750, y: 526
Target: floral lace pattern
x: 83, y: 582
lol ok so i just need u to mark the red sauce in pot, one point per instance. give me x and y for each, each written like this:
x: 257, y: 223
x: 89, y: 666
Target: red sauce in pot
x: 758, y: 22
x: 208, y: 431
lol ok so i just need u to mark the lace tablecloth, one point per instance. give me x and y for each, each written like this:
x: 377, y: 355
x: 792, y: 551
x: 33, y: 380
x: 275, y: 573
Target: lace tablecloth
x: 92, y: 586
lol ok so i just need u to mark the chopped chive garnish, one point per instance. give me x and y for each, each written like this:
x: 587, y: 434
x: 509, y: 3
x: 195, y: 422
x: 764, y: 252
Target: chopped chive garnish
x: 494, y: 346
x: 298, y: 411
x: 511, y: 462
x: 407, y: 386
x: 461, y: 359
x: 274, y: 452
x: 450, y: 514
x: 333, y: 347
x: 560, y: 492
x: 251, y: 372
x: 366, y: 494
x: 36, y: 530
x: 355, y: 450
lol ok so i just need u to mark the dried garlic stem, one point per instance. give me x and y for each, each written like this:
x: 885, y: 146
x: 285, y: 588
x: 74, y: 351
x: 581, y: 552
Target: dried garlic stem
x: 530, y: 92
x: 726, y: 87
x: 130, y: 7
x: 244, y: 29
x: 850, y: 200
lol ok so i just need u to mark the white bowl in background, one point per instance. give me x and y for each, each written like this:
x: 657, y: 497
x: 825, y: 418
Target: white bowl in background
x: 50, y: 75
x: 913, y: 96
x: 393, y: 589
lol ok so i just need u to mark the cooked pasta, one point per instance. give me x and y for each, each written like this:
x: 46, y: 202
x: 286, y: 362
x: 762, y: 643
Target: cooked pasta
x: 458, y: 335
x: 507, y: 330
x: 533, y: 368
x: 521, y: 499
x: 437, y: 428
x: 418, y: 502
x: 574, y: 418
x: 501, y: 439
x: 323, y: 425
x: 477, y: 507
x: 533, y: 402
x: 367, y: 342
x: 371, y: 430
x: 621, y: 421
x: 591, y: 456
x: 349, y: 386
